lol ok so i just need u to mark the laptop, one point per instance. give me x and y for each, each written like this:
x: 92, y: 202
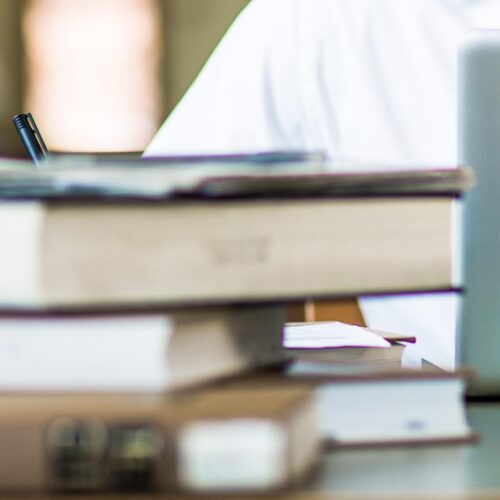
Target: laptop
x: 478, y: 342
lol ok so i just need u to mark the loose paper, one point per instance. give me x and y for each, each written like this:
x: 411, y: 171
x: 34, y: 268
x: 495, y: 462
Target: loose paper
x: 331, y: 335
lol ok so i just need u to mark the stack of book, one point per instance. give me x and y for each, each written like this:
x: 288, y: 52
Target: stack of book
x: 127, y: 287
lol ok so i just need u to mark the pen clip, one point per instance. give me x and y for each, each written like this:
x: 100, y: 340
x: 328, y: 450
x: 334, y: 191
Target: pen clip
x: 36, y: 132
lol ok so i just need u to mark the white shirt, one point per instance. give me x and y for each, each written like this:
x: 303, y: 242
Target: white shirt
x: 362, y: 80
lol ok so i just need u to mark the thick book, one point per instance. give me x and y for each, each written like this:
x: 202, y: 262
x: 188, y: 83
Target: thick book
x: 91, y: 253
x: 219, y: 442
x: 142, y: 352
x: 397, y: 408
x: 377, y: 406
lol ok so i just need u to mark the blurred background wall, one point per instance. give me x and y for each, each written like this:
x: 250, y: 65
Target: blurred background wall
x: 101, y: 75
x: 11, y: 73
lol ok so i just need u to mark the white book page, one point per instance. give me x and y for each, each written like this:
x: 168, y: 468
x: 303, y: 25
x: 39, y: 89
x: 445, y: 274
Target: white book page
x: 330, y: 335
x: 387, y: 411
x: 104, y: 354
x: 21, y: 230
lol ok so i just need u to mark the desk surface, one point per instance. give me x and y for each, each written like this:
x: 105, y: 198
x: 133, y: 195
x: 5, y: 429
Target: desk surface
x: 469, y: 471
x: 448, y: 471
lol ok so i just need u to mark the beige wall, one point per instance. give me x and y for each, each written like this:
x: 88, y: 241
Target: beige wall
x: 192, y: 29
x: 10, y: 73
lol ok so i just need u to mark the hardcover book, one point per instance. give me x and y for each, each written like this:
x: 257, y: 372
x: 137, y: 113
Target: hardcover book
x: 76, y: 235
x: 126, y: 352
x: 219, y: 442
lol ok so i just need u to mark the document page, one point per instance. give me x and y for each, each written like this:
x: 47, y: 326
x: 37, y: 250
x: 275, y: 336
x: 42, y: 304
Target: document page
x: 330, y: 336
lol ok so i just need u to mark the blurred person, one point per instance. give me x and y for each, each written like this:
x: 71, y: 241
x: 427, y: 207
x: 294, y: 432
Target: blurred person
x: 370, y: 81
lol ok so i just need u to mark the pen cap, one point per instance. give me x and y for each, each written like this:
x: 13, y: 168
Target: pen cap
x: 21, y: 121
x: 30, y: 137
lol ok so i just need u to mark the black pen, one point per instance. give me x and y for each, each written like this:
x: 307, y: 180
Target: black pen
x: 31, y: 138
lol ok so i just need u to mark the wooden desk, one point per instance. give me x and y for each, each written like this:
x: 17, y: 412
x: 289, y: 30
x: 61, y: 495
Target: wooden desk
x: 466, y: 472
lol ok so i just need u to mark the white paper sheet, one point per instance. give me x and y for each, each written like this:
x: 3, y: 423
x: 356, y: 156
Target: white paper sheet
x: 329, y: 336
